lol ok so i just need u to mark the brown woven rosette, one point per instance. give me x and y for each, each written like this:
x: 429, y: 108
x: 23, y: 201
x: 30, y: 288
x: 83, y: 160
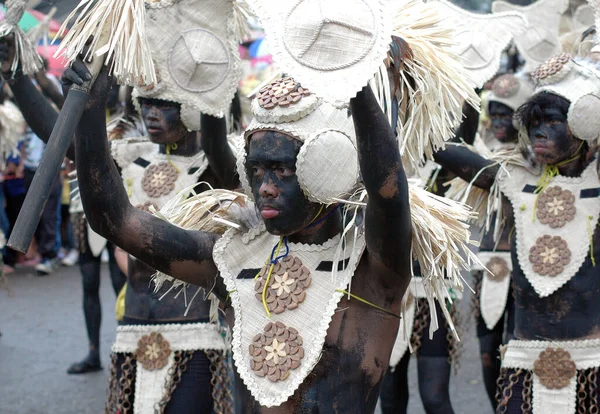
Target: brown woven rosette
x: 555, y: 368
x: 159, y: 179
x: 281, y: 92
x: 550, y: 255
x: 276, y: 352
x: 153, y: 351
x: 498, y: 269
x: 556, y: 207
x: 287, y: 284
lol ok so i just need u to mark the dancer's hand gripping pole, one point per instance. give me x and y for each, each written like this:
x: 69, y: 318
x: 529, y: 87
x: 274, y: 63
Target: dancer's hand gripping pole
x: 49, y: 168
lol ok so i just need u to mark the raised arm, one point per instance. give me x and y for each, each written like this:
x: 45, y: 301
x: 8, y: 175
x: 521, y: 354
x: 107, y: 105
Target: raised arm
x: 183, y: 254
x: 387, y: 221
x: 213, y: 135
x: 468, y: 165
x: 37, y: 110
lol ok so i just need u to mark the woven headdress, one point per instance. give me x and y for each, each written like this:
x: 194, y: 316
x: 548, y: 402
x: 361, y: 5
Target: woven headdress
x: 481, y: 38
x: 510, y: 90
x: 336, y: 46
x: 327, y: 165
x: 578, y: 81
x: 195, y: 54
x: 541, y: 39
x: 25, y: 50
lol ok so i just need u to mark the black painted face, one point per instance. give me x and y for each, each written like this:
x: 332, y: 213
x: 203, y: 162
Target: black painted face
x: 551, y: 138
x: 271, y: 171
x: 163, y: 121
x: 501, y: 117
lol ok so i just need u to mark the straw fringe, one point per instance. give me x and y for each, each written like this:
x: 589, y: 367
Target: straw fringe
x: 42, y: 30
x: 207, y: 211
x: 25, y: 51
x: 117, y: 28
x: 242, y: 15
x: 486, y: 204
x: 434, y: 84
x: 12, y: 127
x: 440, y: 241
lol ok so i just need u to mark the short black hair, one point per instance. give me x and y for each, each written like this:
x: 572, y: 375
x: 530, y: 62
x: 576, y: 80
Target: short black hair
x: 534, y: 107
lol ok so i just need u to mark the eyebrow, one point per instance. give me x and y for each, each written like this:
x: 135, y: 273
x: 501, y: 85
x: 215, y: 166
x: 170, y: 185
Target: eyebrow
x: 266, y: 160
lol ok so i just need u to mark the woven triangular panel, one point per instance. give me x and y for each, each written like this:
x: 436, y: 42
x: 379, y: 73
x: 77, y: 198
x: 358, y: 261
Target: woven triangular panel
x: 481, y: 38
x: 333, y: 47
x: 195, y: 54
x: 541, y: 39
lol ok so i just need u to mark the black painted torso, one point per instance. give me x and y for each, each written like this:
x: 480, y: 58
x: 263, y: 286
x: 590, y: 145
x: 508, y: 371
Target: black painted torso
x: 572, y: 312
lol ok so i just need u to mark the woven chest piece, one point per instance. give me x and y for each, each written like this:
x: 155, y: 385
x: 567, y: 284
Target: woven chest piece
x: 554, y: 225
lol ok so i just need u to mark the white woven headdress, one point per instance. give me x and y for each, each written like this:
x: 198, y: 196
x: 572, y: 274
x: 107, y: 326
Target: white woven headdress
x: 481, y: 38
x: 195, y: 54
x: 578, y: 81
x: 583, y: 16
x: 25, y: 51
x: 327, y: 165
x: 332, y: 45
x: 541, y: 39
x: 511, y: 90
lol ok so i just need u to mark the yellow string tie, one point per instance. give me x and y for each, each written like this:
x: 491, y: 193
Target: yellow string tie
x: 591, y: 233
x: 129, y: 183
x: 366, y: 302
x: 510, y: 234
x: 264, y: 292
x: 172, y: 147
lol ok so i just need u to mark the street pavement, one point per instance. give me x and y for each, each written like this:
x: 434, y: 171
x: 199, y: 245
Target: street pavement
x: 43, y: 332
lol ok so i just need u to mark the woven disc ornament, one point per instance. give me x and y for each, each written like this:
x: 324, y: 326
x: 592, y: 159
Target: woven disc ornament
x: 333, y: 47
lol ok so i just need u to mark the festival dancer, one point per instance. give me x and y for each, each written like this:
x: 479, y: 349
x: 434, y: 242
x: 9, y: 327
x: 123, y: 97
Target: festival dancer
x: 290, y: 346
x: 493, y: 304
x: 191, y: 370
x: 550, y: 364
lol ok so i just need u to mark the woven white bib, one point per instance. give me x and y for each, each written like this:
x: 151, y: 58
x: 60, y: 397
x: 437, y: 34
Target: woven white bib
x: 239, y: 258
x: 495, y: 286
x: 553, y: 246
x: 152, y: 177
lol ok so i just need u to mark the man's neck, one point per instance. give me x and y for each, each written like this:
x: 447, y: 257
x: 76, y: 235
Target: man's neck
x: 574, y: 168
x: 321, y: 232
x: 187, y: 146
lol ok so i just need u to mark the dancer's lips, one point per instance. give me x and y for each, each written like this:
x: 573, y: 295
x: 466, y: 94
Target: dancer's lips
x: 540, y: 148
x: 153, y: 130
x: 269, y: 212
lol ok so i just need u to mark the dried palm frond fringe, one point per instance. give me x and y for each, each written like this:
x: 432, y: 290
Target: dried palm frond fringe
x: 434, y: 84
x: 25, y: 51
x: 116, y: 29
x: 242, y: 16
x: 486, y: 204
x: 42, y: 30
x: 440, y: 240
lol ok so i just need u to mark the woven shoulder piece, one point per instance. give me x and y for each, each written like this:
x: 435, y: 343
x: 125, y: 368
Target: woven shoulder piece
x: 25, y: 51
x: 481, y: 38
x: 333, y: 46
x: 541, y: 39
x: 196, y: 56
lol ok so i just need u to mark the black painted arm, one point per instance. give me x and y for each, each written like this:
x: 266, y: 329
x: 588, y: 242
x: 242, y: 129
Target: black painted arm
x: 468, y: 127
x: 468, y: 165
x: 213, y: 135
x: 183, y: 254
x: 387, y: 220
